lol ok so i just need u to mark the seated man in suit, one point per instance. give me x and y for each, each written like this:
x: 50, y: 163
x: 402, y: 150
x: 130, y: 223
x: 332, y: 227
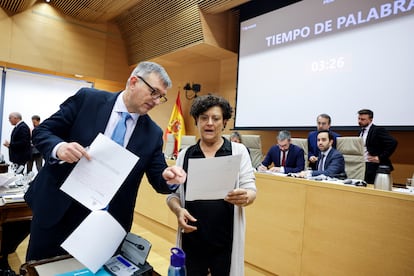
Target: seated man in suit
x: 286, y: 157
x: 323, y: 122
x: 331, y: 162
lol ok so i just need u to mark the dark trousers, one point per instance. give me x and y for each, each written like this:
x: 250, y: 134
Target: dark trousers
x: 203, y: 258
x: 370, y: 172
x: 36, y: 158
x: 13, y: 234
x: 45, y: 242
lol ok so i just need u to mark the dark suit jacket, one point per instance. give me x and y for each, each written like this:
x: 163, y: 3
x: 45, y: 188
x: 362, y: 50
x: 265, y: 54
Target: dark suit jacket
x: 80, y: 118
x: 313, y: 149
x: 295, y: 161
x: 20, y: 146
x: 380, y: 143
x: 334, y: 165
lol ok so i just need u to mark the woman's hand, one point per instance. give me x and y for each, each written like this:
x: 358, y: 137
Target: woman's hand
x: 241, y: 197
x: 184, y: 217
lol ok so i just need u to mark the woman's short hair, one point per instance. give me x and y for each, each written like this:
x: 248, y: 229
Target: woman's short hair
x: 202, y: 103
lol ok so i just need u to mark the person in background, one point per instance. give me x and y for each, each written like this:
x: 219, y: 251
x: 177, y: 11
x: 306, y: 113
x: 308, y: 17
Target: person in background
x: 14, y: 232
x: 212, y: 231
x: 237, y: 138
x: 36, y: 157
x: 19, y: 144
x: 62, y: 139
x: 323, y: 122
x: 285, y: 156
x: 331, y: 162
x: 379, y: 145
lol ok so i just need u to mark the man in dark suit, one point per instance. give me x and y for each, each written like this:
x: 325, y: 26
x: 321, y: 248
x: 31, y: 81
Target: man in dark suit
x: 36, y: 156
x: 286, y: 157
x: 19, y: 153
x: 330, y: 161
x: 379, y: 145
x: 19, y: 144
x: 62, y: 139
x: 323, y: 122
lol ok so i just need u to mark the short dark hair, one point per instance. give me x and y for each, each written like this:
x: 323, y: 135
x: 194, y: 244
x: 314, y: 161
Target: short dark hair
x: 326, y: 116
x: 329, y: 134
x: 366, y: 112
x: 237, y: 135
x: 36, y: 117
x: 202, y: 103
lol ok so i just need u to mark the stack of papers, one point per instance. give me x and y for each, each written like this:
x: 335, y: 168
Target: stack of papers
x: 404, y: 190
x: 6, y: 179
x: 12, y: 198
x: 11, y: 195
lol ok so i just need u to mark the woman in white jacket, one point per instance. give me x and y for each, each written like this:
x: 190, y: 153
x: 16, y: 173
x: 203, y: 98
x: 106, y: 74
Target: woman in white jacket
x: 211, y: 232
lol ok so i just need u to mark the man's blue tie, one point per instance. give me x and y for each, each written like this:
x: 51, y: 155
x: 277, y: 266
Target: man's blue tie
x: 119, y: 132
x: 118, y: 135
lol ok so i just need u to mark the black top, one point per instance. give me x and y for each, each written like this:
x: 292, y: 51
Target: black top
x: 214, y: 217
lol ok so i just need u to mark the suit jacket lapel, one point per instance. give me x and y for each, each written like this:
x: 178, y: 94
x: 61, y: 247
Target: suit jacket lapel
x: 369, y: 134
x: 104, y: 113
x: 137, y: 138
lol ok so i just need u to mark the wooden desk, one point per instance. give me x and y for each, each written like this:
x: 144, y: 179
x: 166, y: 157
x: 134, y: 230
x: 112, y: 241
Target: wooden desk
x: 303, y: 227
x: 13, y: 212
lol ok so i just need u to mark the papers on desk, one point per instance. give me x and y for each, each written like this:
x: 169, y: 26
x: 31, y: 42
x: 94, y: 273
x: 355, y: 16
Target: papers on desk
x: 409, y: 190
x: 212, y: 178
x: 11, y: 195
x: 93, y: 183
x: 12, y: 198
x: 274, y: 173
x: 6, y: 179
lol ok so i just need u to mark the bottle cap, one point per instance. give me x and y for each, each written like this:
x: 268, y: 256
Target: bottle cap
x: 384, y: 169
x: 177, y: 257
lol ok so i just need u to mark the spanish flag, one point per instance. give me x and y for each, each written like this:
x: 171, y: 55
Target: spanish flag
x: 176, y: 125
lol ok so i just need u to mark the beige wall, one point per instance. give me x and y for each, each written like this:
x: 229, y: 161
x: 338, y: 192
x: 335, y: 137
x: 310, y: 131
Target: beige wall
x: 42, y: 40
x: 40, y: 37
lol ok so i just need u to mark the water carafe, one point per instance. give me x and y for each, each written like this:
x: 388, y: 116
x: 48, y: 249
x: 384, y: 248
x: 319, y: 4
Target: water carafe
x: 383, y: 179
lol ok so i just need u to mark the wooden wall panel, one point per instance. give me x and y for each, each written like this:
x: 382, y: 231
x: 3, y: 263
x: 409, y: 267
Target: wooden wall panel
x: 41, y: 37
x: 5, y: 34
x: 35, y: 42
x: 215, y: 29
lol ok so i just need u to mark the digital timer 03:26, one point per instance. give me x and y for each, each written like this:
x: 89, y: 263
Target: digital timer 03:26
x: 336, y: 63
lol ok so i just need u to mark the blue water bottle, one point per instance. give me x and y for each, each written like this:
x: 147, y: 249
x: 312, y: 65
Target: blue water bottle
x: 177, y: 263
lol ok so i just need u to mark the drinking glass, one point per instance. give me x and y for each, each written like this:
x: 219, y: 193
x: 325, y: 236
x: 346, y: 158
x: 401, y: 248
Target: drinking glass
x: 409, y: 184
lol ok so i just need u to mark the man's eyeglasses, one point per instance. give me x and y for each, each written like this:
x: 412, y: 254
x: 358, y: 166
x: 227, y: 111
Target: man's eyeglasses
x: 155, y: 94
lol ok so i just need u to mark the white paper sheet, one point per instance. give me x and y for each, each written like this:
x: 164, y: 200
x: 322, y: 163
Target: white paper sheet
x: 212, y: 178
x: 6, y: 179
x: 93, y: 183
x: 95, y: 240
